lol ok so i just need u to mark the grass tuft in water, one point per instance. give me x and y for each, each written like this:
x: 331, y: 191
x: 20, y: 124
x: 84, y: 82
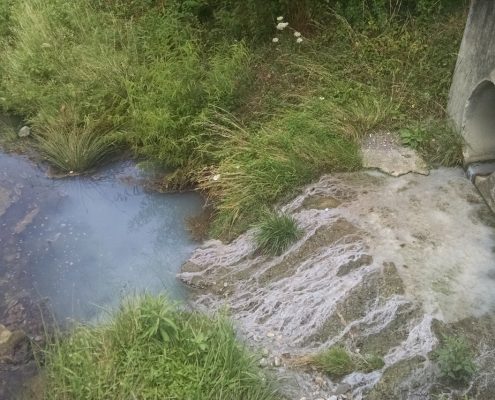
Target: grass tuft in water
x: 73, y: 145
x: 276, y: 232
x: 151, y: 349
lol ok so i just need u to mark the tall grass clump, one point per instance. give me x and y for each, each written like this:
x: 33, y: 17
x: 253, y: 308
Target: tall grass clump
x: 151, y: 349
x: 338, y: 361
x: 276, y: 232
x: 72, y: 144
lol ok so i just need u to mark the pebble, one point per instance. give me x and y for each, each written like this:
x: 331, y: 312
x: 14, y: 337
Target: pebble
x: 320, y: 381
x: 270, y: 334
x: 277, y: 362
x: 24, y: 131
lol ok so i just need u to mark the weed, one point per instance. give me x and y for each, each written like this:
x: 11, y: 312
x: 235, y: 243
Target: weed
x: 437, y: 143
x: 276, y: 232
x: 152, y: 349
x: 455, y: 360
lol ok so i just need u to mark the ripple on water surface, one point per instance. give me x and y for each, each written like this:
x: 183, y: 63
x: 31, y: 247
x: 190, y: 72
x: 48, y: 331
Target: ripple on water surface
x: 87, y: 241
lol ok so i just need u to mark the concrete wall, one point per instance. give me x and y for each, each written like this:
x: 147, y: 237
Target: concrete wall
x: 476, y: 60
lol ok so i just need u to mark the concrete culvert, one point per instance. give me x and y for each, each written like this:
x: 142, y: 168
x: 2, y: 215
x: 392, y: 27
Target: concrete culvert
x: 479, y: 124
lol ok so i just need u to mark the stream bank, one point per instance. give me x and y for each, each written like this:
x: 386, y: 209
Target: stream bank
x: 386, y: 266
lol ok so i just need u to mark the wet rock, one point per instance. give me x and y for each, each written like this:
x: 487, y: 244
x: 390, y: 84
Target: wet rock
x: 383, y: 152
x: 395, y: 382
x: 25, y: 131
x: 361, y: 261
x: 486, y: 186
x: 342, y: 388
x: 9, y: 340
x: 321, y: 202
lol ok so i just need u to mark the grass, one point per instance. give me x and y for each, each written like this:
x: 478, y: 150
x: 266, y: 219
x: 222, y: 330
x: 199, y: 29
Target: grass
x: 437, y: 143
x: 256, y: 168
x: 261, y: 118
x: 338, y: 362
x: 276, y: 232
x: 74, y: 146
x: 151, y: 349
x: 455, y: 360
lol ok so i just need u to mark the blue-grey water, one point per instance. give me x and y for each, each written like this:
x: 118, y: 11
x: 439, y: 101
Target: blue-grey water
x: 84, y: 242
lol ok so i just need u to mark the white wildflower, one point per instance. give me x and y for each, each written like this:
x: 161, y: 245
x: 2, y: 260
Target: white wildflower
x: 216, y: 177
x: 280, y: 18
x: 297, y: 34
x: 299, y: 40
x: 321, y: 98
x: 275, y: 40
x: 282, y: 25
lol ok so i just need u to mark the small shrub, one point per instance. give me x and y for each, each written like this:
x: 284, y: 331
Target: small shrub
x: 276, y: 232
x: 455, y: 360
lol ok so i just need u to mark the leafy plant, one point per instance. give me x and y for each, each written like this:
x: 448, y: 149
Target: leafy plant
x: 152, y: 349
x: 436, y: 141
x: 276, y: 232
x: 412, y: 137
x: 455, y: 359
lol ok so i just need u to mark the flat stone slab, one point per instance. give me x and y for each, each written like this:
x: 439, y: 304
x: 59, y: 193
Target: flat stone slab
x: 382, y: 151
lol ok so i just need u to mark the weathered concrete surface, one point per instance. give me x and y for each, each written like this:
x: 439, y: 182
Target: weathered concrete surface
x: 383, y: 151
x: 486, y: 186
x: 476, y: 59
x: 475, y: 64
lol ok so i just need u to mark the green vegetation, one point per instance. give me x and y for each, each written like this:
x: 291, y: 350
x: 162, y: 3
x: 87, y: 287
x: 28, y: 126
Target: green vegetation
x: 198, y: 87
x: 71, y: 146
x: 337, y: 362
x: 437, y: 143
x: 152, y: 349
x: 276, y: 232
x: 455, y: 359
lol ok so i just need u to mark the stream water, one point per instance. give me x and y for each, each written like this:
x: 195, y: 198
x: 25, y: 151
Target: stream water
x: 84, y: 242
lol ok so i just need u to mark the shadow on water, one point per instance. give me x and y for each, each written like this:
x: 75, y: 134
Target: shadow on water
x: 84, y: 242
